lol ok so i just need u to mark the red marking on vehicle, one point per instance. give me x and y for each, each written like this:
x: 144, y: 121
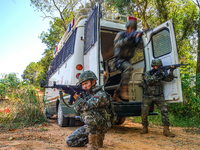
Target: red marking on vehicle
x: 61, y: 81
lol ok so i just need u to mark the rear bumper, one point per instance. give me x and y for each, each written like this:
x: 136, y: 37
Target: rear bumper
x: 126, y: 109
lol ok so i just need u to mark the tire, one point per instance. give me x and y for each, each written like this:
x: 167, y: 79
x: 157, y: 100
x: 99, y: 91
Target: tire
x: 120, y: 120
x: 47, y: 115
x: 72, y: 122
x: 62, y: 121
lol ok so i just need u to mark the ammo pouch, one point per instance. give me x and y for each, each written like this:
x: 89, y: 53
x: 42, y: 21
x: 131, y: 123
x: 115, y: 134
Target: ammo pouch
x: 154, y: 90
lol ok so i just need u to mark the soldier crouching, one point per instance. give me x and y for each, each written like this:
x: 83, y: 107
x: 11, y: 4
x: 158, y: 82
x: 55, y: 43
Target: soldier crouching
x: 96, y: 111
x: 153, y: 93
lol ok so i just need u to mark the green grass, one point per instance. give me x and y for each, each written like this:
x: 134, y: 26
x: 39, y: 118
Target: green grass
x: 25, y: 109
x: 176, y: 121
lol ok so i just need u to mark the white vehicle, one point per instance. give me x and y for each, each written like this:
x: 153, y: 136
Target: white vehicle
x: 89, y: 46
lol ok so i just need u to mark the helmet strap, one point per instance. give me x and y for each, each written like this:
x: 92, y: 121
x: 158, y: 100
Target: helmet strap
x: 91, y: 85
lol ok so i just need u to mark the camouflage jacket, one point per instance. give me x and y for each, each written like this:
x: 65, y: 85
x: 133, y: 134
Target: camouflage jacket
x: 124, y: 47
x: 152, y: 83
x: 98, y: 102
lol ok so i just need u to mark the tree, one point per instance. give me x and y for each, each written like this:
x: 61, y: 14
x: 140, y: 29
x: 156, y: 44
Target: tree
x: 30, y: 72
x: 54, y: 8
x: 155, y: 12
x: 61, y: 13
x: 198, y: 49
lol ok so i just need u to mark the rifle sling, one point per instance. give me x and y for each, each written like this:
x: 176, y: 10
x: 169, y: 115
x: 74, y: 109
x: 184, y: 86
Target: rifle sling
x: 72, y: 106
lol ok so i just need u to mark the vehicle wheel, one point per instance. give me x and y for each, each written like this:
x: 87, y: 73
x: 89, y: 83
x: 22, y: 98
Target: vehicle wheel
x: 62, y: 121
x: 120, y: 120
x: 47, y: 115
x: 72, y: 122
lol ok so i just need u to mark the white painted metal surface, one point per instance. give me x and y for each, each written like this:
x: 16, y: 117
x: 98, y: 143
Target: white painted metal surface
x: 172, y: 90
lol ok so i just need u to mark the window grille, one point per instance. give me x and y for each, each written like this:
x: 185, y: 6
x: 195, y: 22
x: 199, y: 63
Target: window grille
x: 161, y: 43
x: 90, y: 33
x: 66, y: 51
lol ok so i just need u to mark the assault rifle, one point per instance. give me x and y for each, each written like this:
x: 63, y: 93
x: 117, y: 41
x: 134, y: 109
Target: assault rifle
x: 166, y: 68
x: 69, y: 89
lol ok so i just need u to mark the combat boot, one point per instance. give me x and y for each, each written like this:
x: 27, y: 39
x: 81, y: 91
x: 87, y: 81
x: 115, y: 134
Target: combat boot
x: 166, y: 132
x: 116, y: 97
x: 100, y: 139
x: 144, y: 130
x: 92, y: 143
x: 124, y: 92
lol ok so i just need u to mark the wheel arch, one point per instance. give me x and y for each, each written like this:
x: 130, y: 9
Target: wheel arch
x: 57, y: 103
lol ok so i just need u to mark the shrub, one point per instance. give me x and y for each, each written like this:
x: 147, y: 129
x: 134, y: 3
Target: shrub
x: 22, y: 106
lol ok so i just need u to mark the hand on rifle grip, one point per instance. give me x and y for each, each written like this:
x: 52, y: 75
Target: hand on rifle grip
x: 71, y: 91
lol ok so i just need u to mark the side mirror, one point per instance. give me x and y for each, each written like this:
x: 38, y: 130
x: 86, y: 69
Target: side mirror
x: 42, y: 83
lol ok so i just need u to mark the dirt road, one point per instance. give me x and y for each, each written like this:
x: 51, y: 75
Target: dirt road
x: 120, y: 137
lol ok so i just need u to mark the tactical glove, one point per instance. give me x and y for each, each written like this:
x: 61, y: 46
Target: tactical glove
x: 70, y: 91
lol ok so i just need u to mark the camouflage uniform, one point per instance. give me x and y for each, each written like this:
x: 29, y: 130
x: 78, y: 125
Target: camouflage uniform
x: 96, y: 111
x: 153, y: 92
x: 124, y: 49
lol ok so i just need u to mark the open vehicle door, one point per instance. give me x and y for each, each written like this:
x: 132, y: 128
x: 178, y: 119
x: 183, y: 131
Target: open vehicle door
x: 163, y: 46
x: 92, y: 53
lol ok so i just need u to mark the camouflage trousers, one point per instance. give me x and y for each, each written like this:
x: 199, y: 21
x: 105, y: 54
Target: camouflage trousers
x: 161, y: 104
x: 93, y: 125
x: 78, y: 138
x: 126, y: 68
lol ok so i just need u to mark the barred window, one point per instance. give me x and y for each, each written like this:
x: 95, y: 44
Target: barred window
x: 161, y: 43
x: 90, y: 33
x: 66, y: 51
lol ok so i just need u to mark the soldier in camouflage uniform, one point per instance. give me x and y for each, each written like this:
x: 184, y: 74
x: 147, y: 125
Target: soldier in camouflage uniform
x: 125, y: 43
x: 153, y: 92
x: 96, y: 111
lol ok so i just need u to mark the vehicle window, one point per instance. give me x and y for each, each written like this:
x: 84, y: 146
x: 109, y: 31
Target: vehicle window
x: 161, y: 43
x: 138, y: 56
x: 90, y: 34
x: 66, y: 51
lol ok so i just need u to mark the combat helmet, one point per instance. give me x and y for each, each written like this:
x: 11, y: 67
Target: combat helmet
x: 156, y: 62
x: 131, y: 23
x: 87, y: 75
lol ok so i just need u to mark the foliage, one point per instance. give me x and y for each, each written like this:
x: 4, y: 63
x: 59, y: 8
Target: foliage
x: 9, y: 84
x: 176, y: 121
x: 191, y: 106
x: 22, y: 106
x: 30, y: 72
x: 184, y: 114
x: 61, y: 12
x: 63, y: 8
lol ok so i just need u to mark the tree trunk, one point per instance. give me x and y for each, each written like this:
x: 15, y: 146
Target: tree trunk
x: 198, y: 60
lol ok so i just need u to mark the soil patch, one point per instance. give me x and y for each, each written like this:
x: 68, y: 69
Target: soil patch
x: 120, y: 137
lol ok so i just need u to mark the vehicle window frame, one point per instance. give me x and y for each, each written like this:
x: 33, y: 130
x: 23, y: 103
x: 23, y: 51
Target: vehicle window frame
x: 152, y: 43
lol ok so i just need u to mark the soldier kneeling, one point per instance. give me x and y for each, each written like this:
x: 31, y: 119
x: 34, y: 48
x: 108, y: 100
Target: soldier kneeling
x: 96, y: 111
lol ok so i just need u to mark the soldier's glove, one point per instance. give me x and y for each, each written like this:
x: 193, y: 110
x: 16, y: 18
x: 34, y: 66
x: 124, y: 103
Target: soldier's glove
x: 172, y: 68
x: 71, y: 91
x: 158, y: 73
